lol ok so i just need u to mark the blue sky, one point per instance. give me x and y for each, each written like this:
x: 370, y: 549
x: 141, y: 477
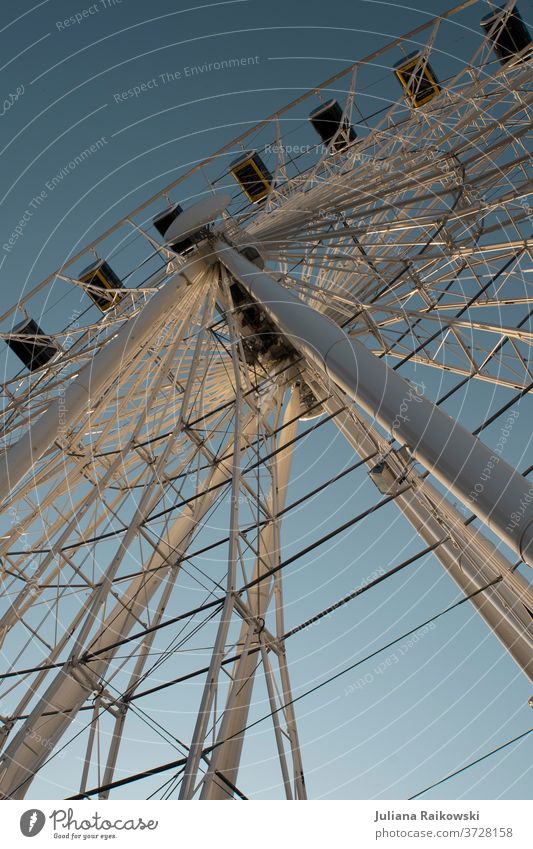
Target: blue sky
x: 454, y: 694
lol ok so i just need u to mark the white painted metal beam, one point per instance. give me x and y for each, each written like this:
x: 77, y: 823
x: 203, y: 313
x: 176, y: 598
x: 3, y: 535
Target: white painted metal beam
x: 467, y: 555
x: 485, y: 483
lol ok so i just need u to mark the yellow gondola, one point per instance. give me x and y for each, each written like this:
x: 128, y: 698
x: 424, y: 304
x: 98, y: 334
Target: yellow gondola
x: 252, y: 175
x: 417, y: 79
x: 101, y: 276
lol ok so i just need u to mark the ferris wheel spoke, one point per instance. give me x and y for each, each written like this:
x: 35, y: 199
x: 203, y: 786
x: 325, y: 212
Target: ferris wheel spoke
x: 56, y: 557
x: 20, y: 457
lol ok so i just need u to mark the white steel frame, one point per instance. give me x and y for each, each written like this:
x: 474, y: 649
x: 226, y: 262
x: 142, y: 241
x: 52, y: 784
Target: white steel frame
x: 405, y: 248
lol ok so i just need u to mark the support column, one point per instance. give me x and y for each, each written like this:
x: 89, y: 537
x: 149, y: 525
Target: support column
x: 226, y: 757
x: 486, y: 484
x: 467, y: 555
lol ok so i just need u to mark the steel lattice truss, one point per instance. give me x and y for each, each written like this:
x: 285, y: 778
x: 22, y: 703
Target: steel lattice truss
x: 416, y: 240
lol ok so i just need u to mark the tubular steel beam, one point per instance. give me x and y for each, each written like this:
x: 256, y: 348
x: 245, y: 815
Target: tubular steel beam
x: 486, y: 484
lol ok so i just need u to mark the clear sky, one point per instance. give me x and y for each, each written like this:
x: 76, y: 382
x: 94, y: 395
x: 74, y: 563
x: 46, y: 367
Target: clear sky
x: 454, y: 694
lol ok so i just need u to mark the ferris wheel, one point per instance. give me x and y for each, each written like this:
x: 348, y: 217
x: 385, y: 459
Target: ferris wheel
x: 336, y: 258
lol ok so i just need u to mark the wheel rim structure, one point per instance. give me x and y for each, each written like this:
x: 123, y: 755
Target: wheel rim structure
x: 416, y: 241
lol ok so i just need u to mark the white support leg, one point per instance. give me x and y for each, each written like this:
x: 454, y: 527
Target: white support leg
x: 485, y: 483
x: 188, y: 785
x: 226, y: 757
x: 467, y: 556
